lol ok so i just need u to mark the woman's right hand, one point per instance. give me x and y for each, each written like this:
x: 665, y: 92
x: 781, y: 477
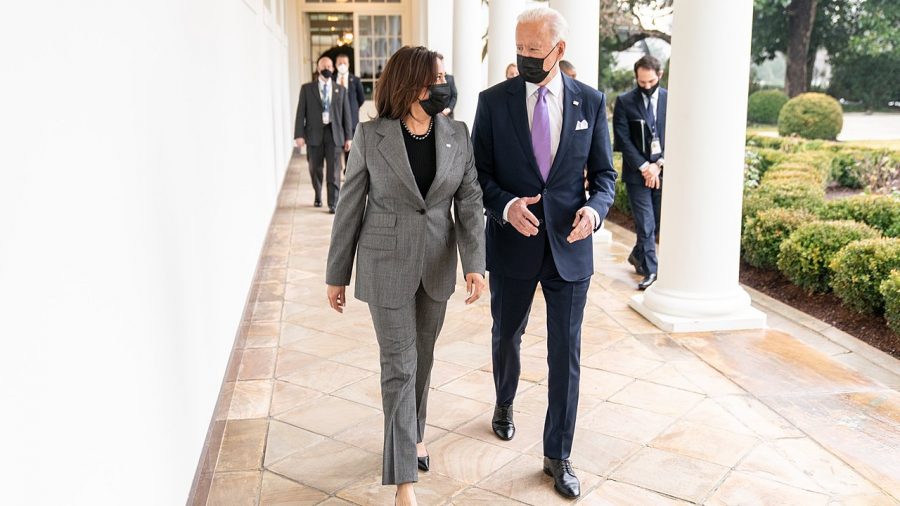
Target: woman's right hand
x: 337, y: 297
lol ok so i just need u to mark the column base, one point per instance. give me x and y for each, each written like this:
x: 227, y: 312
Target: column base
x: 740, y: 319
x: 602, y: 236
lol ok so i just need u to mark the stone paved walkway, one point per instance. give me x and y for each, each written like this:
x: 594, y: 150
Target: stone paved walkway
x: 800, y: 413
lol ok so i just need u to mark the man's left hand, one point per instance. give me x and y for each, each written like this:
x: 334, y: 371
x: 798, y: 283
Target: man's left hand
x: 347, y: 145
x: 582, y: 227
x: 446, y: 112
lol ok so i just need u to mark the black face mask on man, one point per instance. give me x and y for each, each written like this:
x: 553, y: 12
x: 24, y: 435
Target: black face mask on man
x: 325, y: 73
x: 532, y: 69
x: 438, y: 99
x: 649, y: 91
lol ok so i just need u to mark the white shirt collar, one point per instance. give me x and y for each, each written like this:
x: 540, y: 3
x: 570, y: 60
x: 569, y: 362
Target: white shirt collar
x: 654, y: 96
x: 555, y: 86
x: 323, y: 81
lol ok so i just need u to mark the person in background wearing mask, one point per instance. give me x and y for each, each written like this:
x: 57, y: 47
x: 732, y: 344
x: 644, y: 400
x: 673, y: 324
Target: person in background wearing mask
x: 323, y: 124
x: 512, y: 71
x: 639, y: 127
x: 451, y: 84
x: 355, y: 92
x: 567, y: 68
x: 533, y: 137
x: 409, y: 167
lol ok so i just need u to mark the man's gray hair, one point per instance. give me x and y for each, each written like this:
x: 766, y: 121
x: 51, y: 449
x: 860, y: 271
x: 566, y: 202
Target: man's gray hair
x: 551, y: 18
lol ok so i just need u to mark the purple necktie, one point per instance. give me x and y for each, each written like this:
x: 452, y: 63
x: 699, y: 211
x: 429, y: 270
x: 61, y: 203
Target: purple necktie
x: 540, y: 133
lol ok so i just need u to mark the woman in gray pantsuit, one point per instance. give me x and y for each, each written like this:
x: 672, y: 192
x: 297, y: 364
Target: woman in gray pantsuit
x: 406, y: 169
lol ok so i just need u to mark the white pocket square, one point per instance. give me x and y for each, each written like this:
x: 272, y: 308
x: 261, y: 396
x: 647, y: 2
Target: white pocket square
x: 581, y: 125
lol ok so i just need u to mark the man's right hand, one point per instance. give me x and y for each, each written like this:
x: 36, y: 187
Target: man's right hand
x: 299, y: 142
x: 337, y: 297
x: 521, y: 218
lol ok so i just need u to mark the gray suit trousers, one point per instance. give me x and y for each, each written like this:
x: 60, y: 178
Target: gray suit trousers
x: 406, y: 337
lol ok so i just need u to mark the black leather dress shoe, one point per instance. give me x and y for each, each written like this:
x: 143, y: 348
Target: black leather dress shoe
x: 647, y: 281
x: 502, y: 423
x: 638, y: 268
x: 564, y: 480
x: 330, y: 209
x: 317, y: 203
x: 423, y: 463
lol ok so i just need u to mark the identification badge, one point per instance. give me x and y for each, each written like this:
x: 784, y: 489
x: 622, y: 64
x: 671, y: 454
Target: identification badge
x: 326, y: 117
x: 655, y: 146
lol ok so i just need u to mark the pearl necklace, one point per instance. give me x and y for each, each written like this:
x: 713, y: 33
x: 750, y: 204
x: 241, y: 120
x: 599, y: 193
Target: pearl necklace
x: 418, y: 137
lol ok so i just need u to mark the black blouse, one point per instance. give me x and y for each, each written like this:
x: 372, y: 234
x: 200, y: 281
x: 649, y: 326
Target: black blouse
x: 422, y: 156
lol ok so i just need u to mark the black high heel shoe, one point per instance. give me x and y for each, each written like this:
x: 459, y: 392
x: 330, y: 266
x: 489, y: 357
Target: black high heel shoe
x: 423, y: 463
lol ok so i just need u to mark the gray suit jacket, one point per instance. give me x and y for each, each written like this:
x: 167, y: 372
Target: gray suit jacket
x: 308, y: 124
x: 403, y: 239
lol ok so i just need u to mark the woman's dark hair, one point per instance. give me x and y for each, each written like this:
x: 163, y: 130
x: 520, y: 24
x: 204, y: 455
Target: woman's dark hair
x: 407, y: 71
x: 648, y: 62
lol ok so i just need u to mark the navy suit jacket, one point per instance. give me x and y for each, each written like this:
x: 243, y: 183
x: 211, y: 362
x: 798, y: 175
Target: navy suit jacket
x: 630, y: 107
x: 507, y: 169
x: 356, y: 95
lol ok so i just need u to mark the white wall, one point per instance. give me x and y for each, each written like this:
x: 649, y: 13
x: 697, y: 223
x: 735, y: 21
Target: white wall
x: 140, y: 163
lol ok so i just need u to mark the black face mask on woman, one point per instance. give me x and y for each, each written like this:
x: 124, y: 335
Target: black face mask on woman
x: 532, y: 69
x: 438, y: 99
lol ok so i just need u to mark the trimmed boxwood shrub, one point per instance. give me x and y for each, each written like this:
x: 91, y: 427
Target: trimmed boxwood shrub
x: 879, y: 211
x: 803, y: 176
x: 802, y: 170
x: 858, y: 270
x: 764, y: 106
x: 890, y: 290
x: 620, y: 201
x: 821, y: 160
x: 764, y: 233
x: 769, y: 158
x: 804, y: 257
x: 787, y: 194
x: 811, y: 116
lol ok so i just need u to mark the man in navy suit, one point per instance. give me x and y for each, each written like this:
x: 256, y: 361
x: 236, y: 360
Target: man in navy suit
x: 355, y: 93
x: 639, y: 128
x: 533, y: 136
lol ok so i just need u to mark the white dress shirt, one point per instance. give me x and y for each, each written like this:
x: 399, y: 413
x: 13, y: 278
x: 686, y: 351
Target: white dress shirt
x: 322, y: 82
x: 555, y: 101
x: 654, y: 103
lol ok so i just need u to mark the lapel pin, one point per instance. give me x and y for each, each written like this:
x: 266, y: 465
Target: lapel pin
x: 574, y: 102
x: 448, y: 145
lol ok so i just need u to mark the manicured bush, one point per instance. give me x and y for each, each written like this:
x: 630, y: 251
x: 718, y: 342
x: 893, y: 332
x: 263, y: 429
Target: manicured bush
x: 811, y: 116
x: 764, y: 106
x: 798, y: 170
x: 764, y: 233
x: 879, y: 211
x: 787, y: 194
x: 769, y: 158
x: 890, y: 290
x: 620, y: 200
x: 820, y: 159
x: 858, y: 270
x: 804, y: 257
x: 846, y: 169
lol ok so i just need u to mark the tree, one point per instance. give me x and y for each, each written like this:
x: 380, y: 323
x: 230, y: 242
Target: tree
x: 624, y: 23
x: 786, y: 26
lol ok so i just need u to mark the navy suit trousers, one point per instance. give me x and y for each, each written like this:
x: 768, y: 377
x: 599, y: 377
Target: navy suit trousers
x: 510, y: 307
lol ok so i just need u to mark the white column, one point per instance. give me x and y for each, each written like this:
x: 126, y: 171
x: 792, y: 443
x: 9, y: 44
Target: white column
x: 698, y: 288
x: 583, y: 44
x: 502, y: 37
x: 467, y: 47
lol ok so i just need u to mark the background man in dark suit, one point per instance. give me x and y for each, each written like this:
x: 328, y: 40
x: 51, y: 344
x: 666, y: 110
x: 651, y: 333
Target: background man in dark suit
x: 639, y: 127
x: 533, y: 137
x: 324, y: 125
x: 448, y: 111
x: 355, y: 92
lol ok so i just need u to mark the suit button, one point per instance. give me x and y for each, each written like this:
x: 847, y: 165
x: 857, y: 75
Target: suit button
x: 421, y: 211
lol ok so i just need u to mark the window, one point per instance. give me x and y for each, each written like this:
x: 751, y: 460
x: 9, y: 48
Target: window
x: 379, y: 38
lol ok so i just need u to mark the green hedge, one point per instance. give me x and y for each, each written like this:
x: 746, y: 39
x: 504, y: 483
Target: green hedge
x: 804, y: 257
x: 890, y: 290
x: 620, y: 201
x: 811, y: 116
x: 879, y: 211
x: 764, y: 106
x: 786, y: 194
x: 764, y: 233
x: 859, y: 269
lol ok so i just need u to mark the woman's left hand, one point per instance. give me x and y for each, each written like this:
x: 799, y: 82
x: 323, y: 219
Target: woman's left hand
x: 474, y: 286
